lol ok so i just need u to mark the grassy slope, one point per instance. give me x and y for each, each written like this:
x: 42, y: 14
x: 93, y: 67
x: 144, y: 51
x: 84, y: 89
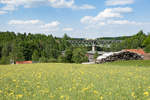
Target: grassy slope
x: 112, y: 81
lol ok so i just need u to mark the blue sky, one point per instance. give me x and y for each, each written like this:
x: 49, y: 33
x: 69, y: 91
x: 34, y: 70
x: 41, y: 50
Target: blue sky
x: 77, y: 18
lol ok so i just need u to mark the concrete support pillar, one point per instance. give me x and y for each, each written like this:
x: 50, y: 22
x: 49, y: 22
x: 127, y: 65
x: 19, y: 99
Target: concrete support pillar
x: 93, y: 48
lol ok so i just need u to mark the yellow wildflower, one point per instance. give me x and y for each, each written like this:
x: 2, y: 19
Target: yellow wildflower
x: 39, y: 75
x: 14, y: 80
x: 38, y: 86
x: 19, y: 96
x: 70, y: 89
x: 146, y: 93
x: 101, y: 97
x: 34, y: 95
x: 82, y: 72
x: 84, y: 89
x: 0, y: 91
x: 51, y: 96
x: 62, y: 97
x: 11, y: 93
x: 95, y: 92
x: 133, y: 94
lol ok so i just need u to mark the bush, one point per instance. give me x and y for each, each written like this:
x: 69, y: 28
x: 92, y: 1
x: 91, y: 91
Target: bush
x: 61, y: 59
x: 5, y: 60
x: 35, y: 56
x: 68, y: 55
x: 79, y: 55
x: 43, y: 60
x: 52, y: 60
x: 147, y: 48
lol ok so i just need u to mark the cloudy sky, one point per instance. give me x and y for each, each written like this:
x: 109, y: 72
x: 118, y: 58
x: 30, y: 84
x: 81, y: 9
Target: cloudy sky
x: 77, y: 18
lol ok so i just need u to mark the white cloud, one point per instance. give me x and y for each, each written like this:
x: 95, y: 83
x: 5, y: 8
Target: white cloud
x: 69, y: 4
x: 23, y: 22
x: 50, y: 25
x: 11, y: 5
x: 110, y: 17
x: 8, y: 8
x: 116, y: 22
x: 33, y: 26
x: 61, y: 3
x: 83, y: 7
x: 67, y: 29
x: 2, y: 12
x: 86, y: 6
x: 106, y: 14
x: 118, y: 2
x: 122, y: 22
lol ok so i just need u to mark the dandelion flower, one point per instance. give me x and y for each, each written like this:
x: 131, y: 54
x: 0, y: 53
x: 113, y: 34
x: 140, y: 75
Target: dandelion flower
x: 101, y: 97
x: 62, y: 97
x: 95, y: 92
x: 19, y: 96
x: 133, y: 94
x: 146, y: 93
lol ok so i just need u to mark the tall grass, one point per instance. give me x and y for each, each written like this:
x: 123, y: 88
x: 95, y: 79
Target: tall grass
x: 112, y: 81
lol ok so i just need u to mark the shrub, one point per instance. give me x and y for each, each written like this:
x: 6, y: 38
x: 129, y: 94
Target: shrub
x: 52, y: 60
x: 5, y: 60
x: 147, y: 48
x: 43, y: 60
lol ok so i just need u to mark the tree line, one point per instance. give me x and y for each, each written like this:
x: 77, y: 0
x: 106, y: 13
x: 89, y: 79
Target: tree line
x: 38, y: 48
x: 137, y: 41
x: 46, y: 48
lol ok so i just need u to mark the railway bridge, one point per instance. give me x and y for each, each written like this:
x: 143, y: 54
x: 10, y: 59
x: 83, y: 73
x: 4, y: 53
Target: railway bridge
x: 93, y: 43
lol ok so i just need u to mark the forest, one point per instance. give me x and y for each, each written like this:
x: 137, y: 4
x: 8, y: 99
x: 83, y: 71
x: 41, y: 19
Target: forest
x: 47, y: 48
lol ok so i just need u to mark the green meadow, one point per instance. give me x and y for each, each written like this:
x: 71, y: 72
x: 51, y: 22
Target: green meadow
x: 122, y: 80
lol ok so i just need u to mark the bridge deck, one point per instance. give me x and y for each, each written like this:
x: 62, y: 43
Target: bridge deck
x: 100, y: 43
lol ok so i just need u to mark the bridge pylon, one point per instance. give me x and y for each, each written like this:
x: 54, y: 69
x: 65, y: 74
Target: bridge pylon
x: 93, y: 47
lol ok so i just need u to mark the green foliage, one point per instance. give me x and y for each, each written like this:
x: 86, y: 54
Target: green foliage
x: 61, y: 59
x: 68, y: 55
x: 64, y: 43
x: 21, y: 47
x: 146, y: 44
x: 146, y: 41
x: 115, y: 38
x: 116, y: 47
x: 20, y: 56
x: 43, y: 60
x: 147, y: 48
x: 96, y: 55
x: 35, y: 56
x: 52, y: 60
x: 24, y: 47
x: 133, y: 42
x: 79, y: 55
x: 5, y: 60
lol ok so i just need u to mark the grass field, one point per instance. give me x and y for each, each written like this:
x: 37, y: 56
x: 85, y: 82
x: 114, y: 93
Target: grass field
x: 128, y: 80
